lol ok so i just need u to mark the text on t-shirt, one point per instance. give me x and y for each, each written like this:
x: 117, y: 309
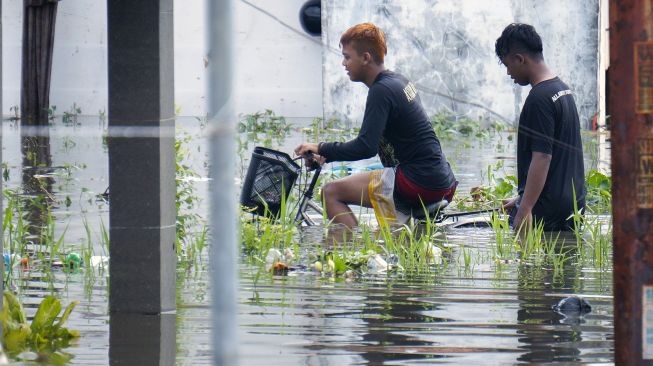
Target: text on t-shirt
x: 560, y: 94
x: 411, y: 91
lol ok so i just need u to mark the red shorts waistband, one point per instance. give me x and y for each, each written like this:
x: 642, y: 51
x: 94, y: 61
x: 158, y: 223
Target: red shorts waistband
x: 415, y: 194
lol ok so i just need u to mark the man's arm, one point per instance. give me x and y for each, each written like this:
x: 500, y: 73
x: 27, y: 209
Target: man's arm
x: 366, y: 144
x: 535, y: 180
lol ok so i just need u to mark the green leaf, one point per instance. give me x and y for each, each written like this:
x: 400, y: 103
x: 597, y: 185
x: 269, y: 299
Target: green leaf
x: 16, y: 339
x: 16, y: 312
x: 46, y: 314
x: 65, y: 315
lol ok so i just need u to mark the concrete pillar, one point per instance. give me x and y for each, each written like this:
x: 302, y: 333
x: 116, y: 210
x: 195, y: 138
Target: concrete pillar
x: 137, y: 339
x: 141, y: 156
x: 630, y: 105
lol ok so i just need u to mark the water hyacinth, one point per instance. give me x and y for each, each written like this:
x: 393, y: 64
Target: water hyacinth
x: 43, y: 334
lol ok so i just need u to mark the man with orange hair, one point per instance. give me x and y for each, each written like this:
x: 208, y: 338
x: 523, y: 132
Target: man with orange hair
x: 395, y: 121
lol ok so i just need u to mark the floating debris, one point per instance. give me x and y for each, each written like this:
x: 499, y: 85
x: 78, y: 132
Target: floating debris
x: 277, y: 263
x: 73, y: 261
x: 280, y: 269
x: 317, y: 266
x: 376, y: 264
x: 572, y: 306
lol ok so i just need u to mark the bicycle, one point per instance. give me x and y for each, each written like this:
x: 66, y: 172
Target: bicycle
x: 272, y: 175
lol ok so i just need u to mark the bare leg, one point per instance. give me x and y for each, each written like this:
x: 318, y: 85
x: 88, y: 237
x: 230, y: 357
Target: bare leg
x: 349, y: 190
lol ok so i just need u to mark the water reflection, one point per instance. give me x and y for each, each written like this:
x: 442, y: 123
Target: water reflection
x: 36, y: 182
x: 540, y: 333
x: 388, y: 311
x: 137, y: 339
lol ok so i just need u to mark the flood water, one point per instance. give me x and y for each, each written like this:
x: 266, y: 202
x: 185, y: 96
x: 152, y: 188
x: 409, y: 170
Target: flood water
x: 489, y: 312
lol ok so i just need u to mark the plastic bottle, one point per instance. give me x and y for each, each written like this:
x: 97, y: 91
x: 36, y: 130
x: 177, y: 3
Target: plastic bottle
x: 73, y: 261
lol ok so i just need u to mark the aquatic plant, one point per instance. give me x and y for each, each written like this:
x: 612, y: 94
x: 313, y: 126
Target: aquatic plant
x: 261, y: 128
x: 332, y: 129
x: 43, y: 335
x: 104, y: 237
x: 266, y: 122
x: 599, y: 191
x: 490, y: 194
x: 187, y: 220
x: 467, y: 258
x: 14, y: 227
x: 52, y: 110
x: 504, y: 238
x: 261, y: 233
x: 102, y: 116
x: 599, y: 234
x: 49, y: 239
x: 15, y: 111
x: 5, y: 171
x: 448, y: 126
x: 70, y: 117
x: 68, y: 143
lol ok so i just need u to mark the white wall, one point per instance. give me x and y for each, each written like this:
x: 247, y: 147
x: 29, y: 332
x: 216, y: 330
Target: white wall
x: 446, y: 47
x: 279, y: 67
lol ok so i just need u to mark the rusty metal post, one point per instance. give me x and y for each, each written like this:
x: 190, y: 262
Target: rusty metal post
x: 630, y: 105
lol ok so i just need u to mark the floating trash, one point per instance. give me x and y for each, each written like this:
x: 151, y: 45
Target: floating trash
x: 349, y: 274
x: 376, y: 264
x: 274, y: 256
x: 280, y: 269
x: 73, y: 261
x: 317, y: 266
x: 277, y: 263
x: 13, y: 260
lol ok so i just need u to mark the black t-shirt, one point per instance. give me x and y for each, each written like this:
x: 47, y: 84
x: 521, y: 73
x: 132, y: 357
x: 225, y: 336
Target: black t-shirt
x: 394, y: 113
x: 549, y: 124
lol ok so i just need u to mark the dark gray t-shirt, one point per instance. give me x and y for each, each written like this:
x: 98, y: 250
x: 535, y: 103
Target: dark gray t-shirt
x: 549, y: 124
x: 394, y: 112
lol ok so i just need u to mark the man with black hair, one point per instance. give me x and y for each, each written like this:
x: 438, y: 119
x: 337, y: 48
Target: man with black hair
x: 550, y: 171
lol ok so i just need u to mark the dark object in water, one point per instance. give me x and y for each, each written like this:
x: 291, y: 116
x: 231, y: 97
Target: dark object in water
x: 310, y: 17
x: 572, y: 306
x: 478, y: 222
x: 280, y: 269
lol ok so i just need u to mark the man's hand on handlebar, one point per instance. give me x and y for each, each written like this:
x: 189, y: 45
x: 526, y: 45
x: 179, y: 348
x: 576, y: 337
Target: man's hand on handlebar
x: 309, y: 152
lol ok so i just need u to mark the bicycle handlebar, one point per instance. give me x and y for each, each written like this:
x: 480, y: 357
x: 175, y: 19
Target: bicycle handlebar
x: 313, y: 164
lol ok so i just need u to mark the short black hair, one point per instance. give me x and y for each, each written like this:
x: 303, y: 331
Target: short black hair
x: 519, y: 37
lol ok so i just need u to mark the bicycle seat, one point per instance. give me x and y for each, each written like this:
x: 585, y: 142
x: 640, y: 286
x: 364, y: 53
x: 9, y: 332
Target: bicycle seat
x: 433, y: 209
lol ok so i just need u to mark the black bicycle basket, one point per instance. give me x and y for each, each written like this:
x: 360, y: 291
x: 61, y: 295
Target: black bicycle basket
x: 270, y: 177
